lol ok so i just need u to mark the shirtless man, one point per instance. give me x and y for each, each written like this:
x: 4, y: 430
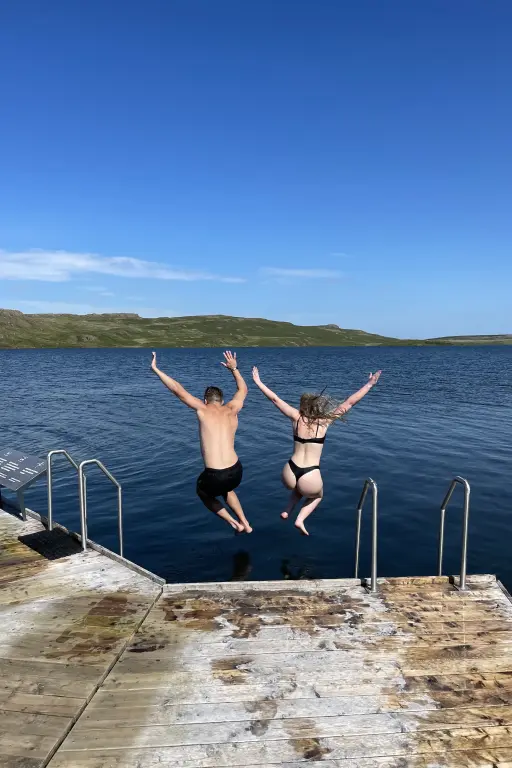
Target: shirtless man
x: 218, y: 423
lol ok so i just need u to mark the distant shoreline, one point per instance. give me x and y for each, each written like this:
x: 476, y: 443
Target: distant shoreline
x: 129, y: 331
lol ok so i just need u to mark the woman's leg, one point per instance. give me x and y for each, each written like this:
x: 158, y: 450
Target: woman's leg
x: 308, y: 507
x: 311, y: 487
x: 290, y: 482
x: 294, y: 499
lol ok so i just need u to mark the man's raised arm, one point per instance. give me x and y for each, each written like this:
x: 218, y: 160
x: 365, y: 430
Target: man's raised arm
x: 241, y: 387
x: 176, y: 388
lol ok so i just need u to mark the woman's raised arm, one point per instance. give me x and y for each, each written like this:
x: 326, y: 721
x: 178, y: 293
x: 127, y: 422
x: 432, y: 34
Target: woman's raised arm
x: 285, y: 408
x: 357, y: 396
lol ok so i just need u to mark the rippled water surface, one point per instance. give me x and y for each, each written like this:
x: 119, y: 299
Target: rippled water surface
x: 435, y: 413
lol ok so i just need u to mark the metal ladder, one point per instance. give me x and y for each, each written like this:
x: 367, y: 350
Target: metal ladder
x: 82, y: 485
x: 465, y: 526
x: 369, y: 483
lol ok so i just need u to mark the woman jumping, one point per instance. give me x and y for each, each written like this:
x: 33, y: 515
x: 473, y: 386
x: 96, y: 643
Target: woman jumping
x: 301, y: 474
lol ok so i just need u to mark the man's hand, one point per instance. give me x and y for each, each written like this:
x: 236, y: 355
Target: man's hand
x: 256, y: 375
x: 230, y: 363
x: 374, y: 377
x: 153, y: 362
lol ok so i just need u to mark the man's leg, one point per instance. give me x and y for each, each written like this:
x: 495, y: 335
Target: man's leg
x: 234, y: 504
x: 214, y: 505
x: 294, y: 499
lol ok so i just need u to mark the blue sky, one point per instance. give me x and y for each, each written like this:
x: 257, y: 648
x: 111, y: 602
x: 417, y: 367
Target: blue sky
x: 321, y: 161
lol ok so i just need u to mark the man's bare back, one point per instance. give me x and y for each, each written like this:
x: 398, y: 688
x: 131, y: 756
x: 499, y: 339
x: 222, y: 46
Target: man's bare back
x: 218, y: 423
x: 217, y: 429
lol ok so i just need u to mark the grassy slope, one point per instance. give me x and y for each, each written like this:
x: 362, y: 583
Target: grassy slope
x: 486, y: 339
x: 19, y: 330
x: 33, y: 331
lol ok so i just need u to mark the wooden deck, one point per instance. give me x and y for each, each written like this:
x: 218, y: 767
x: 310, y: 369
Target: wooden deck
x: 261, y: 675
x: 65, y: 616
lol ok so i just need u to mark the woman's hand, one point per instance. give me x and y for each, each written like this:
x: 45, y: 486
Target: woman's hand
x: 256, y: 375
x: 374, y: 377
x: 230, y: 363
x: 153, y: 361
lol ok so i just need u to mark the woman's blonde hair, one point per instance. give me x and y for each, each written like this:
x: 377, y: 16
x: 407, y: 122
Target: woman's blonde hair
x: 314, y: 408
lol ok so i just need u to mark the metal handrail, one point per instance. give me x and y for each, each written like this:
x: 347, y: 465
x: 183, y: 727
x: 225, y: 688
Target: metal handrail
x: 49, y: 458
x: 83, y: 501
x: 369, y: 483
x: 467, y: 491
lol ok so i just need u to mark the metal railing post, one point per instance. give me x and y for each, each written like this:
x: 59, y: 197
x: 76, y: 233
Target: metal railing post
x: 465, y: 529
x: 369, y: 483
x: 49, y: 458
x: 82, y: 481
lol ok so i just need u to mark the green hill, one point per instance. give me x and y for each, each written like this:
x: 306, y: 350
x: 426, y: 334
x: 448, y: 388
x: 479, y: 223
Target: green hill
x: 504, y: 338
x: 18, y: 330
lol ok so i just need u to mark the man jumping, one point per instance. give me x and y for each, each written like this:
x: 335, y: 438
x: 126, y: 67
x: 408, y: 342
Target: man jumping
x: 218, y: 423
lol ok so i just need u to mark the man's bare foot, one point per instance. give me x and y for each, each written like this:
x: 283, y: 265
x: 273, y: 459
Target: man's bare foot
x: 284, y: 515
x: 300, y: 525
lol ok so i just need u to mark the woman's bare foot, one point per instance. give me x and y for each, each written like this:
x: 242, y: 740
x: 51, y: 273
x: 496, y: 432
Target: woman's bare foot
x: 300, y: 525
x: 238, y: 527
x: 284, y: 515
x: 247, y: 528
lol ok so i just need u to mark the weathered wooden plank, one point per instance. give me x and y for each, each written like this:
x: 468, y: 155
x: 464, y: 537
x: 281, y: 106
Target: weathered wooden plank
x: 32, y: 723
x: 11, y: 701
x: 159, y: 645
x: 304, y: 749
x: 130, y: 712
x: 233, y: 587
x: 25, y: 745
x: 196, y: 618
x: 151, y: 758
x: 335, y: 661
x: 188, y: 689
x: 226, y: 675
x: 457, y: 666
x: 459, y: 681
x: 97, y: 736
x: 388, y: 627
x: 351, y: 699
x: 192, y: 689
x: 274, y: 602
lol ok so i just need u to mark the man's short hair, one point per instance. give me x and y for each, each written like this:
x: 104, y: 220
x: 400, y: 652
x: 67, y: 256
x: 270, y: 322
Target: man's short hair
x: 213, y: 395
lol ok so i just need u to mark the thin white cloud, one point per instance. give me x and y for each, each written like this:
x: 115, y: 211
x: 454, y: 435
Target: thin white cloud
x: 94, y: 288
x: 314, y: 274
x: 61, y: 266
x: 60, y: 308
x: 69, y: 308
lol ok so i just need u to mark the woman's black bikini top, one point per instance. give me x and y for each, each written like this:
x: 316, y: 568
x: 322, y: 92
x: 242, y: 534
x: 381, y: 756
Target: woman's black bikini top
x: 298, y: 439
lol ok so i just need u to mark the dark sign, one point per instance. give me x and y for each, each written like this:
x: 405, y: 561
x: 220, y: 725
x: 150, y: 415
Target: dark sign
x: 17, y: 470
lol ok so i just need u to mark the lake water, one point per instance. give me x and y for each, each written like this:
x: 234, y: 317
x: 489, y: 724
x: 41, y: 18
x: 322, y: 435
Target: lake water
x: 435, y: 413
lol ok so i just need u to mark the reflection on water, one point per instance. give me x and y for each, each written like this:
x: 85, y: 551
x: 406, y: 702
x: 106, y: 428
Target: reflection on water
x: 436, y: 412
x: 241, y: 566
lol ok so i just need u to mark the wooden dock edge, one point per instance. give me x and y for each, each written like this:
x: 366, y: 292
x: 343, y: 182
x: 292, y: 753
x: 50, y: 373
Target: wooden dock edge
x: 98, y: 548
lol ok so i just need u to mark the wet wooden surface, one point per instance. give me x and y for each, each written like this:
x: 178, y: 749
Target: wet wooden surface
x: 295, y: 674
x: 100, y: 669
x: 65, y: 616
